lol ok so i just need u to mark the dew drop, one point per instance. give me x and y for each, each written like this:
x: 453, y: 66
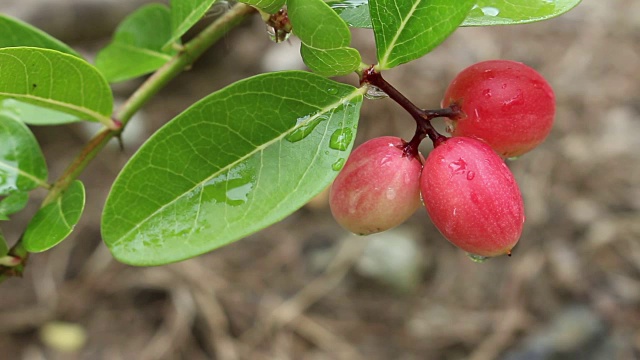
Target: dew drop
x: 490, y: 11
x: 390, y: 193
x: 487, y: 93
x: 471, y: 175
x: 457, y: 167
x: 375, y: 93
x: 338, y: 165
x: 332, y: 91
x: 304, y: 127
x: 477, y: 258
x: 340, y: 139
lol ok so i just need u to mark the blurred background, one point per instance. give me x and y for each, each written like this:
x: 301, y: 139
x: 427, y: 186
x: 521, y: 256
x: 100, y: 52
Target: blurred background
x: 306, y: 289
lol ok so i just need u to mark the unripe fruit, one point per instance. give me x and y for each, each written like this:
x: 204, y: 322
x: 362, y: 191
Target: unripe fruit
x: 505, y: 103
x: 378, y: 188
x: 472, y: 197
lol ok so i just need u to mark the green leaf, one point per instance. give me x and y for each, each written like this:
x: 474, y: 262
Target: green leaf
x: 317, y: 25
x: 54, y: 222
x: 325, y: 38
x: 185, y: 14
x: 35, y: 115
x: 4, y: 247
x: 507, y: 12
x: 408, y: 29
x: 22, y: 165
x: 354, y: 12
x: 137, y: 46
x: 17, y: 33
x: 233, y: 163
x: 331, y: 62
x: 55, y: 80
x: 13, y: 203
x: 268, y: 6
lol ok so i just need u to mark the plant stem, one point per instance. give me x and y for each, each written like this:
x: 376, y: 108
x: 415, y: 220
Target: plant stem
x: 422, y: 117
x: 181, y: 61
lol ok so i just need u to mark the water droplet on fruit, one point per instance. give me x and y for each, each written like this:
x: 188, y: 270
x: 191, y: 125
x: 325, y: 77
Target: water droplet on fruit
x: 375, y: 93
x: 338, y: 165
x: 490, y: 11
x: 504, y: 86
x: 458, y: 167
x: 517, y: 99
x: 471, y: 175
x: 341, y: 138
x: 391, y: 193
x: 487, y: 93
x: 477, y: 258
x: 332, y: 91
x: 277, y: 36
x: 304, y: 127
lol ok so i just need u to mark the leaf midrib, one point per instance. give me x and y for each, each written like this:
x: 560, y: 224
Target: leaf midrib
x: 324, y: 110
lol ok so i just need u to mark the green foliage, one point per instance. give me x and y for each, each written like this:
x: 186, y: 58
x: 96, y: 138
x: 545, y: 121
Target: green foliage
x: 508, y: 12
x: 22, y: 165
x: 268, y: 6
x: 185, y: 14
x: 4, y: 248
x: 406, y: 30
x: 137, y: 46
x: 238, y: 160
x: 54, y: 222
x: 325, y: 38
x: 17, y: 33
x: 354, y: 12
x: 35, y: 115
x: 55, y: 80
x: 13, y: 203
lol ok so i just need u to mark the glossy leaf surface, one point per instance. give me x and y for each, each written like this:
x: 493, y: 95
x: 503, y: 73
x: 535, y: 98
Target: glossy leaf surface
x: 17, y: 33
x: 54, y: 222
x: 408, y: 29
x: 354, y: 12
x: 22, y: 165
x: 35, y: 115
x: 137, y: 44
x: 55, y: 80
x: 484, y: 12
x: 233, y: 163
x: 325, y: 38
x: 506, y: 12
x: 185, y: 14
x: 13, y: 203
x: 268, y: 6
x: 331, y: 62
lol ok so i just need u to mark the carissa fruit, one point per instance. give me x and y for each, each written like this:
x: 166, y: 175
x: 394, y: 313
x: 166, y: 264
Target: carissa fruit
x: 378, y: 188
x: 472, y: 197
x: 505, y: 103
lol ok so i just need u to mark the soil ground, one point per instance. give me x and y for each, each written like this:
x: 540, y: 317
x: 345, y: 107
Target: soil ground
x: 306, y: 289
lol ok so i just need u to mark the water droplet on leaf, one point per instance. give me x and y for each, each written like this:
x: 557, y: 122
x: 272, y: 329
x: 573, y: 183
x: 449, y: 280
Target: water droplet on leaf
x: 337, y: 166
x: 340, y: 139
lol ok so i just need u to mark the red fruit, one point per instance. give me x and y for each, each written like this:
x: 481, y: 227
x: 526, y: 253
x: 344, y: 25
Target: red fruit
x: 505, y: 103
x: 472, y: 197
x: 378, y: 188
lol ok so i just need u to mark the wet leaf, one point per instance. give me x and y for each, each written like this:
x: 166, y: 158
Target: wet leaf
x: 268, y: 6
x: 408, y: 29
x: 13, y: 203
x: 507, y: 12
x: 235, y: 162
x: 54, y: 80
x: 17, y: 33
x: 137, y: 46
x: 354, y: 12
x: 185, y: 14
x: 54, y: 222
x: 22, y: 165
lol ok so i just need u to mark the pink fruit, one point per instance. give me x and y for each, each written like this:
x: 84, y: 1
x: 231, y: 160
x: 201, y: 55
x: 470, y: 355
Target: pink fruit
x: 472, y: 197
x: 505, y: 103
x: 378, y: 188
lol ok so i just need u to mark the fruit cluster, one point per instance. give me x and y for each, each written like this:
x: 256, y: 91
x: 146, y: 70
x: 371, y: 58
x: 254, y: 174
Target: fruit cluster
x: 504, y: 109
